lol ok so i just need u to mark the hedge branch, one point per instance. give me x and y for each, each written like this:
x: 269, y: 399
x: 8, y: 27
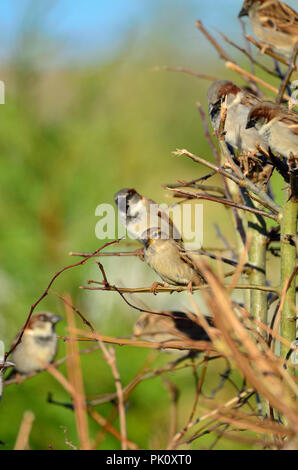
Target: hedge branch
x: 288, y: 266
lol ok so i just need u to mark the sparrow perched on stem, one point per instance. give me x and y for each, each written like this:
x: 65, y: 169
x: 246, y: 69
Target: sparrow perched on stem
x: 274, y: 23
x: 239, y: 102
x: 38, y: 346
x: 159, y: 328
x: 138, y: 213
x: 170, y: 260
x: 277, y: 126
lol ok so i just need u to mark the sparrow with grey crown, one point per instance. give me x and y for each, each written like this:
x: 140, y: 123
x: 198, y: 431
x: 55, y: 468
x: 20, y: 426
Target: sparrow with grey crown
x: 138, y: 213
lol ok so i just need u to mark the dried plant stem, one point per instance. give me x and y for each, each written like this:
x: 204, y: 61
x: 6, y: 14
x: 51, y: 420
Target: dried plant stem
x: 220, y: 50
x: 287, y: 78
x: 210, y: 78
x: 288, y: 264
x: 109, y: 428
x: 24, y: 431
x: 171, y: 289
x: 243, y: 182
x: 225, y: 202
x: 250, y: 76
x: 252, y: 60
x: 171, y: 344
x: 76, y: 380
x: 110, y: 358
x: 210, y: 414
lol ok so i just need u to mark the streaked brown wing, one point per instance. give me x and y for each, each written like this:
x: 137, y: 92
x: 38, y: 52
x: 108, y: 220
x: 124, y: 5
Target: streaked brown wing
x: 188, y: 260
x: 249, y: 100
x: 291, y: 121
x: 280, y: 17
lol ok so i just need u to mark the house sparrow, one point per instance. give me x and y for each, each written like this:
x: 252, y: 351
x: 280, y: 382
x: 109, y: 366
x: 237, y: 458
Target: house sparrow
x: 170, y: 261
x: 159, y: 328
x: 277, y: 126
x: 239, y: 102
x: 38, y: 345
x: 138, y: 213
x: 274, y: 23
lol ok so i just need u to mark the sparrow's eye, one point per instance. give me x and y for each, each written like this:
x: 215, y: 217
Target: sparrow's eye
x: 270, y: 24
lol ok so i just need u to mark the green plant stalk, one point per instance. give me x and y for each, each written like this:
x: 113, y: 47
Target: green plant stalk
x: 257, y: 231
x: 288, y: 264
x: 257, y: 257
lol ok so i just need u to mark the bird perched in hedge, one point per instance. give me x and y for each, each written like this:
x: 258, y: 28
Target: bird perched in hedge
x: 277, y: 126
x: 239, y: 103
x: 160, y: 328
x: 274, y: 23
x: 38, y: 345
x: 138, y: 213
x: 247, y: 142
x: 170, y: 260
x: 176, y: 326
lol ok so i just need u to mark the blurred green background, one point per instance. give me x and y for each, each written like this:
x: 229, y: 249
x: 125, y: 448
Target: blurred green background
x: 85, y: 115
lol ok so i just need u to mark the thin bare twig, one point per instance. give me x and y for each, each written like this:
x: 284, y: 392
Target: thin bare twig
x: 287, y: 78
x: 162, y: 289
x: 250, y: 76
x: 110, y: 358
x: 243, y: 182
x: 268, y: 51
x: 187, y: 71
x: 220, y: 50
x: 225, y: 202
x: 252, y: 60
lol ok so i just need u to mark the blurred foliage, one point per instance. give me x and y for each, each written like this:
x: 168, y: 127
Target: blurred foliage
x: 70, y: 137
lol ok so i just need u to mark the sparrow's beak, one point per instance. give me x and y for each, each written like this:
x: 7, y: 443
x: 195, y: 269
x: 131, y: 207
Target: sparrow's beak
x: 243, y: 12
x: 120, y: 196
x: 146, y: 242
x: 56, y: 319
x: 6, y: 365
